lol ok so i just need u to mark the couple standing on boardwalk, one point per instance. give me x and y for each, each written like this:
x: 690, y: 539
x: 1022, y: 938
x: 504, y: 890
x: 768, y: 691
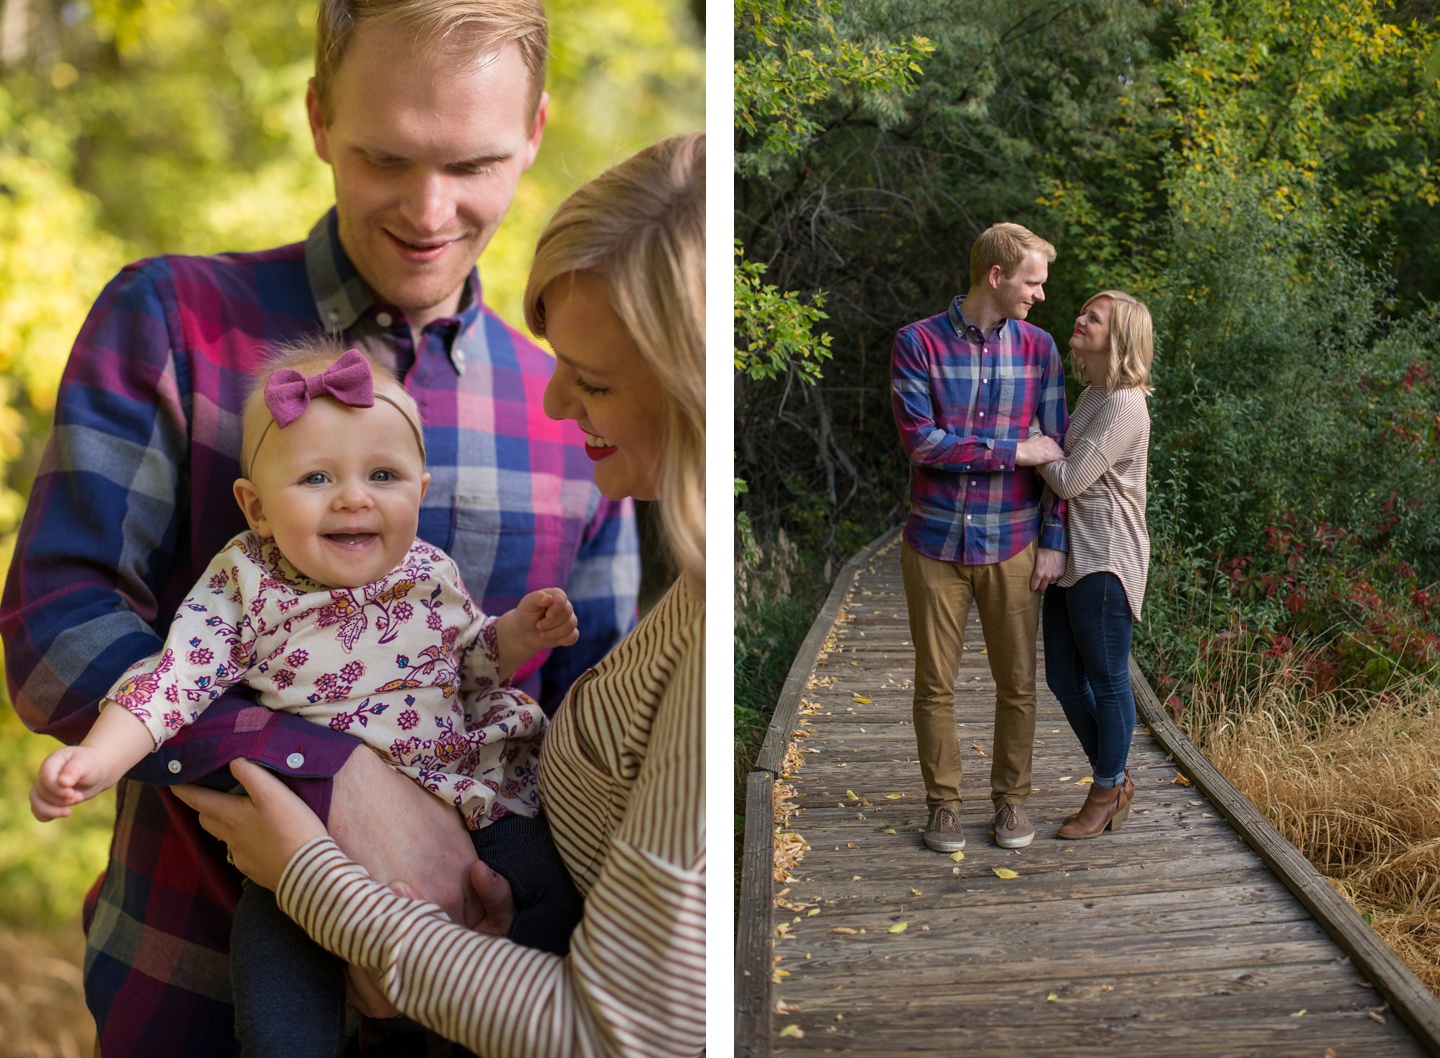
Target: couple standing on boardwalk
x: 1001, y: 513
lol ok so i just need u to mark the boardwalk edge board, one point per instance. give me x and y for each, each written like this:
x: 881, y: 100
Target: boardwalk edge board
x: 1371, y: 956
x: 753, y: 942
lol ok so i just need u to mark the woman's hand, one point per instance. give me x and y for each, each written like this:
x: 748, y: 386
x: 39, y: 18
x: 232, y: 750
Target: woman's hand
x: 493, y: 911
x: 264, y: 830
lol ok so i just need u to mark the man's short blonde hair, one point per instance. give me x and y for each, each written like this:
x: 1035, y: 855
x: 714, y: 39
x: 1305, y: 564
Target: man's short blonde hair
x: 309, y: 355
x: 1132, y: 342
x: 461, y: 31
x: 1006, y: 245
x: 640, y: 229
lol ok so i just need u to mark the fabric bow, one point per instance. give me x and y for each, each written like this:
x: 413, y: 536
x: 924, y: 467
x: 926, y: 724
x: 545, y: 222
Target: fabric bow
x: 348, y: 380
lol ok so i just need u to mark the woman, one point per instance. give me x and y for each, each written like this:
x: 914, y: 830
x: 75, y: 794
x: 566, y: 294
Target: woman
x: 618, y: 289
x: 1089, y: 612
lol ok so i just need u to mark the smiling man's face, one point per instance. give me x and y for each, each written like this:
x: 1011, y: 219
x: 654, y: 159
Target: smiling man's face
x: 426, y: 158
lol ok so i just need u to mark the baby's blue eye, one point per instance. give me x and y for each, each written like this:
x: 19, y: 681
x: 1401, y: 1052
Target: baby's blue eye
x: 316, y: 478
x: 382, y: 475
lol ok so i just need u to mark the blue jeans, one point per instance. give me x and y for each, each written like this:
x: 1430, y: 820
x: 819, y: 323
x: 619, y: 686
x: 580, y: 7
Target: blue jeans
x: 290, y: 992
x: 1087, y: 629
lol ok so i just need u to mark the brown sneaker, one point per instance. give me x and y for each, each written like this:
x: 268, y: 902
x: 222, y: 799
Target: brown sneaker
x: 943, y: 833
x: 1012, y: 827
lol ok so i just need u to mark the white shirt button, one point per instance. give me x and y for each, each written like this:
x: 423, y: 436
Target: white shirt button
x: 295, y: 760
x: 967, y: 517
x: 173, y: 767
x: 384, y: 319
x: 974, y: 482
x: 982, y: 415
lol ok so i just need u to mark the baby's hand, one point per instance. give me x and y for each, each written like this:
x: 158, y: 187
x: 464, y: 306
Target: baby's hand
x: 552, y: 616
x: 68, y: 776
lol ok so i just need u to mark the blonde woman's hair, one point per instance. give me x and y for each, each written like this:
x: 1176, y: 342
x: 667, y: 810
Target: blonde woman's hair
x: 1132, y: 343
x: 460, y: 30
x: 308, y: 355
x: 639, y: 228
x: 1007, y: 245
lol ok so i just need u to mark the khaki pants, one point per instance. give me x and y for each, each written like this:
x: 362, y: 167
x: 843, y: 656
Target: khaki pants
x: 938, y: 596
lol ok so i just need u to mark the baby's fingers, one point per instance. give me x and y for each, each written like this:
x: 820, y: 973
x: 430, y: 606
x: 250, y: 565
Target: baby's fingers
x: 42, y: 808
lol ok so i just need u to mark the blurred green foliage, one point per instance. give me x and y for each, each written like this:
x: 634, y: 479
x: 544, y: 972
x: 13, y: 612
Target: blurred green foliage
x: 137, y: 127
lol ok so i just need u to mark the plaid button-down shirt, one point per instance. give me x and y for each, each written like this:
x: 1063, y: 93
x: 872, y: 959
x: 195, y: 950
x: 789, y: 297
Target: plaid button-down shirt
x: 963, y: 401
x: 132, y: 500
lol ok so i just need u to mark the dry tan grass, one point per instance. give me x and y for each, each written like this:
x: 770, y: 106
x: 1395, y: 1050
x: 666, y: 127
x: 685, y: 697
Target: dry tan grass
x: 42, y: 1008
x: 1353, y: 782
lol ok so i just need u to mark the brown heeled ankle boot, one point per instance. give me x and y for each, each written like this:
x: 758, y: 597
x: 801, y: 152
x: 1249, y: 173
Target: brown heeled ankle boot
x: 1129, y: 796
x: 1104, y: 809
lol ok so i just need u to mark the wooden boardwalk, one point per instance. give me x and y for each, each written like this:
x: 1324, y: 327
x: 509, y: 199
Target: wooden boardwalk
x: 1181, y: 935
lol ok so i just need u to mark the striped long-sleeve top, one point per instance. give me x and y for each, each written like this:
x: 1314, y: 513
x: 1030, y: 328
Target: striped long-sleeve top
x: 622, y: 781
x: 1107, y: 459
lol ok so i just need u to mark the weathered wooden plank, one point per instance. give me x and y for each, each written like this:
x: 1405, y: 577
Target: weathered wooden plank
x: 752, y: 964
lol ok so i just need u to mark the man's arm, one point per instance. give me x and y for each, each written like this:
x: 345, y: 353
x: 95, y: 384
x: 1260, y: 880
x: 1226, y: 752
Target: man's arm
x: 603, y: 586
x: 1054, y: 422
x: 95, y: 553
x: 926, y: 442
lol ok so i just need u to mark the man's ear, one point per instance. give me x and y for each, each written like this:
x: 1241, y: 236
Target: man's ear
x: 537, y: 130
x: 997, y: 273
x: 249, y: 500
x: 316, y: 113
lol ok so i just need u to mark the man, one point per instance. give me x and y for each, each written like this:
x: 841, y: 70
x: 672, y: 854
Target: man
x: 976, y: 391
x: 428, y: 114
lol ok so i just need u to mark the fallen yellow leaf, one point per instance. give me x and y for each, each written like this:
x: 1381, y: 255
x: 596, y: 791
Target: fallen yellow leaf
x: 852, y: 795
x: 1183, y: 782
x: 812, y: 912
x: 917, y: 892
x: 1375, y: 1015
x: 1066, y: 778
x: 893, y: 796
x: 899, y: 927
x: 888, y: 830
x: 957, y: 856
x: 1053, y: 997
x: 1004, y: 872
x: 1298, y: 1013
x: 862, y: 701
x: 845, y: 930
x: 1086, y: 781
x: 793, y: 1030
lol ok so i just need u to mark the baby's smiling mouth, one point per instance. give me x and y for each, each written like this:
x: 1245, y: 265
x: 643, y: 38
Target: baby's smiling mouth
x: 350, y: 539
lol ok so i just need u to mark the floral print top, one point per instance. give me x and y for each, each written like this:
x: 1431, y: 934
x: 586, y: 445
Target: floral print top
x: 408, y: 664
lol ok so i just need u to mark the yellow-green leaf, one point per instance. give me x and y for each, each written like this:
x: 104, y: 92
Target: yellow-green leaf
x: 1004, y: 872
x: 957, y: 856
x: 899, y: 927
x: 793, y: 1030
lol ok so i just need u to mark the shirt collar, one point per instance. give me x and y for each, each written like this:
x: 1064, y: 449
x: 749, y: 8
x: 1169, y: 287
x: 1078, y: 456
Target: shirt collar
x: 963, y: 327
x: 342, y: 298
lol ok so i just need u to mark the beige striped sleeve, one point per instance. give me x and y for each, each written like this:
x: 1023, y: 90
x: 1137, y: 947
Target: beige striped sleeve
x: 1108, y: 438
x: 633, y: 984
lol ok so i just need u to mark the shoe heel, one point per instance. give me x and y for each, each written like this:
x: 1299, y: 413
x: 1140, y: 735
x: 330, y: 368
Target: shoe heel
x: 1118, y: 819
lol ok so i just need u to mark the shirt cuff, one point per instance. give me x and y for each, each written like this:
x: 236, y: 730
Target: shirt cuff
x: 304, y: 754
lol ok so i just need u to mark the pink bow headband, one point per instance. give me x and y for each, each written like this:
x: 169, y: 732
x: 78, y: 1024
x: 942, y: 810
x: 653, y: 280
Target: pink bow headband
x: 349, y: 380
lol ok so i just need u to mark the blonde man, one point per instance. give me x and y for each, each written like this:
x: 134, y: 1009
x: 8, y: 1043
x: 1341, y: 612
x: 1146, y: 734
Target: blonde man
x: 428, y: 113
x: 970, y: 387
